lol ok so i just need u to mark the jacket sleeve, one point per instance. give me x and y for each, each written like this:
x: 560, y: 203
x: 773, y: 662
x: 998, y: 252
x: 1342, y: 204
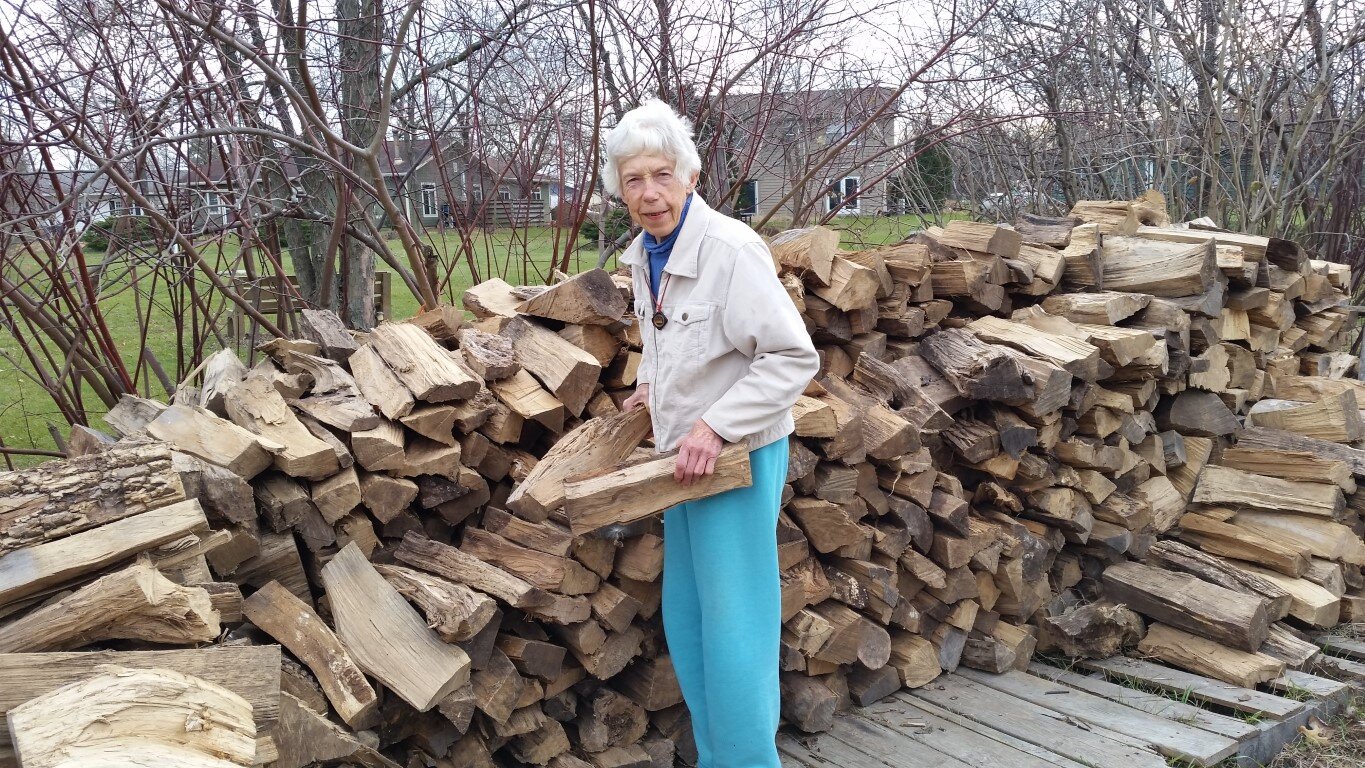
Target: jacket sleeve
x: 761, y: 321
x: 646, y: 367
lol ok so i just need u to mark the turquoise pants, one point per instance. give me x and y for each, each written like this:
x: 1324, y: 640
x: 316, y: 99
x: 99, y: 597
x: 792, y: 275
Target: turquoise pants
x: 722, y: 606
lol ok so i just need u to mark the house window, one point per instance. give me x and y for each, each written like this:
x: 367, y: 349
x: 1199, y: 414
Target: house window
x: 214, y: 203
x: 504, y: 195
x: 134, y: 209
x: 536, y: 195
x: 478, y: 193
x: 747, y: 204
x: 428, y: 201
x: 843, y: 191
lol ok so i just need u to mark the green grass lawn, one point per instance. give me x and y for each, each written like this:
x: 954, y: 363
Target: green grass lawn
x: 522, y: 256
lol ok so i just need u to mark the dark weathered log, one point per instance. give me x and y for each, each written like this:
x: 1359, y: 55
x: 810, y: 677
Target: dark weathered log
x: 978, y: 370
x: 59, y: 498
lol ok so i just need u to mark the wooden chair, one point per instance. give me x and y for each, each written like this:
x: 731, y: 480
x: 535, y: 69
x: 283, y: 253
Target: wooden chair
x: 268, y: 296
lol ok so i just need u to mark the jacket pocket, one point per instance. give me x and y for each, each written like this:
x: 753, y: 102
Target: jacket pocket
x: 695, y: 321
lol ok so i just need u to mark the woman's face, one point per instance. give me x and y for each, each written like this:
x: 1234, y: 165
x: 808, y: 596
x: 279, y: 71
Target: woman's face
x: 654, y: 193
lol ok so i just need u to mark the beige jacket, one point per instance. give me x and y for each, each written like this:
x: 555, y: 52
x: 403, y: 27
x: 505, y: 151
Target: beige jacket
x: 735, y: 351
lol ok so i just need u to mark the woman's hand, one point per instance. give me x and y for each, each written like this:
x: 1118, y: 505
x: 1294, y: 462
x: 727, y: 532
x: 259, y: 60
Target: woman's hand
x: 637, y: 399
x: 697, y: 453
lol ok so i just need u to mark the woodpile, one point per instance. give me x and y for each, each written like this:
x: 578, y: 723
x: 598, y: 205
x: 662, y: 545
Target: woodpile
x: 437, y: 544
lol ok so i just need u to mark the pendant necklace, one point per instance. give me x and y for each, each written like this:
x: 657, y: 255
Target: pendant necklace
x: 659, y: 319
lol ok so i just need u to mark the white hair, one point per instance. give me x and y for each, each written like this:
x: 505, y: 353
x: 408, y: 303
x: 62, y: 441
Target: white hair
x: 651, y: 128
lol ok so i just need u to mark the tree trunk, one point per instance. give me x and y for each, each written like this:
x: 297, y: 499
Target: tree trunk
x: 362, y: 29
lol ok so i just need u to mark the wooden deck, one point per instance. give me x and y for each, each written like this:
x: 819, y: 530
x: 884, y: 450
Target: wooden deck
x: 1055, y: 718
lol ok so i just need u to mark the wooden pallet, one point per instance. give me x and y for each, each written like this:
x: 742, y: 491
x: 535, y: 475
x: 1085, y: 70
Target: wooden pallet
x: 1057, y: 718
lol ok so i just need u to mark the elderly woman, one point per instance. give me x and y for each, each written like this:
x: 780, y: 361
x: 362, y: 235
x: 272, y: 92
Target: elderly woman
x: 725, y: 356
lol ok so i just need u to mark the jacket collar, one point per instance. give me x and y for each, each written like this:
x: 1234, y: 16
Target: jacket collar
x: 683, y: 261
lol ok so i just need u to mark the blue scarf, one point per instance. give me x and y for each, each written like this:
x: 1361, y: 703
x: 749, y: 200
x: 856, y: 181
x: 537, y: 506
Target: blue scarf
x: 659, y: 250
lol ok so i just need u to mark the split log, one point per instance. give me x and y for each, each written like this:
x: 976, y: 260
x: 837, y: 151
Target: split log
x: 639, y: 490
x: 1099, y: 307
x: 1308, y: 602
x: 527, y: 400
x: 1173, y: 555
x: 251, y: 672
x: 379, y: 385
x: 256, y: 406
x: 851, y: 286
x: 217, y: 441
x: 808, y: 252
x: 386, y: 636
x: 455, y: 611
x: 1224, y: 486
x: 131, y: 415
x: 588, y: 298
x: 222, y: 371
x: 1183, y: 601
x: 981, y: 237
x: 1278, y: 439
x: 549, y: 572
x: 1045, y: 230
x: 29, y: 571
x: 324, y: 328
x: 1290, y: 465
x: 1093, y: 631
x: 294, y: 624
x: 1195, y: 412
x: 491, y: 298
x: 335, y: 399
x: 1080, y: 358
x: 421, y: 364
x: 1335, y: 418
x: 136, y: 603
x: 593, y: 446
x: 450, y: 563
x: 135, y: 717
x: 978, y: 370
x: 1243, y: 543
x: 566, y: 371
x: 488, y: 355
x: 1206, y: 657
x: 1157, y: 268
x: 306, y: 738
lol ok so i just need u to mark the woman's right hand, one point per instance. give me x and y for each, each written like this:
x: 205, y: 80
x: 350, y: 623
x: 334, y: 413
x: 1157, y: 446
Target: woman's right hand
x: 640, y: 398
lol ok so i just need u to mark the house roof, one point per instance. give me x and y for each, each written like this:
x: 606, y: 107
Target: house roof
x: 812, y: 104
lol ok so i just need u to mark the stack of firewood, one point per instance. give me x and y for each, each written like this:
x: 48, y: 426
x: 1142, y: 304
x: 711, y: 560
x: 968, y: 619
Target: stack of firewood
x: 1020, y: 437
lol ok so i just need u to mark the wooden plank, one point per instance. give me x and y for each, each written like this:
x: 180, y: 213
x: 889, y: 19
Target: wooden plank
x: 1023, y: 720
x: 1170, y: 738
x: 1151, y: 703
x: 822, y: 754
x: 1296, y: 682
x: 1197, y: 687
x: 963, y: 739
x: 884, y: 744
x: 1344, y: 647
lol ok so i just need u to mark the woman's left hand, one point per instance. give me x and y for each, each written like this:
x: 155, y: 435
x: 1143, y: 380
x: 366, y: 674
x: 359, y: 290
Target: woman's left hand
x: 697, y: 454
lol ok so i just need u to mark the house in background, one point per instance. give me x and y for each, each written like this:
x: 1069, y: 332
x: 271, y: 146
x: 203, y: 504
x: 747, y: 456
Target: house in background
x: 437, y: 185
x: 775, y: 140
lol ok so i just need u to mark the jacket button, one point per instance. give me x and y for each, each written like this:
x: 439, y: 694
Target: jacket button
x: 684, y: 315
